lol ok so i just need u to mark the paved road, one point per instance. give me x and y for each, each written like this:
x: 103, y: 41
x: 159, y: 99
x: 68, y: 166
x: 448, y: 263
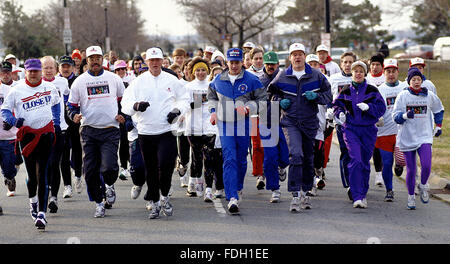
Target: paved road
x: 332, y: 219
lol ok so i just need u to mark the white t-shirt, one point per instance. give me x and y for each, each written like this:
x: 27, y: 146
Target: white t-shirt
x: 389, y: 95
x: 338, y: 82
x: 34, y: 104
x: 415, y: 132
x: 375, y: 81
x: 332, y: 68
x: 232, y: 78
x: 298, y: 74
x: 62, y: 86
x: 97, y: 97
x: 11, y: 134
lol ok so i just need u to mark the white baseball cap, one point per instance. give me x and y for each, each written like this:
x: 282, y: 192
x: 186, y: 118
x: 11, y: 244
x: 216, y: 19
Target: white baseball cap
x: 322, y: 48
x: 360, y: 63
x: 10, y: 56
x: 210, y: 49
x: 312, y: 57
x: 390, y: 63
x: 249, y: 45
x: 154, y: 53
x: 297, y: 46
x: 416, y: 61
x: 94, y: 50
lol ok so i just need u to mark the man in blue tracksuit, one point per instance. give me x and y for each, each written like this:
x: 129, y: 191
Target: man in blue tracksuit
x: 301, y: 89
x: 233, y: 97
x: 276, y: 152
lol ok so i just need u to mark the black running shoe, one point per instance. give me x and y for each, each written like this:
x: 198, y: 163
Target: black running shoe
x: 398, y: 171
x: 349, y: 193
x: 53, y: 206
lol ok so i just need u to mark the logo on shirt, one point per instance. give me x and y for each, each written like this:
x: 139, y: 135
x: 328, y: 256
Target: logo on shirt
x: 418, y: 109
x: 390, y: 101
x: 243, y: 88
x: 98, y: 91
x: 36, y: 96
x: 37, y: 100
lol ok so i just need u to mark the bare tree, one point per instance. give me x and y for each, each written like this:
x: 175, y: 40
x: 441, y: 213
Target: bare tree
x: 244, y: 19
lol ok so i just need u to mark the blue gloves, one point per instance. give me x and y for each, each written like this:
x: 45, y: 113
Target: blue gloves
x: 408, y: 115
x: 285, y: 104
x: 311, y: 96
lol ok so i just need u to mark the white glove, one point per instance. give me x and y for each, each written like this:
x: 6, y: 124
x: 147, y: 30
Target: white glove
x: 342, y: 117
x: 380, y: 122
x: 330, y: 114
x: 363, y: 106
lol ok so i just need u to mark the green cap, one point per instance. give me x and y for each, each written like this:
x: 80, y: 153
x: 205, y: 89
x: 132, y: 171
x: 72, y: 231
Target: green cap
x: 270, y: 58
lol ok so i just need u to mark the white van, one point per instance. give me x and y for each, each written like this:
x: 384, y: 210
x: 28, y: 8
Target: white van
x: 440, y: 42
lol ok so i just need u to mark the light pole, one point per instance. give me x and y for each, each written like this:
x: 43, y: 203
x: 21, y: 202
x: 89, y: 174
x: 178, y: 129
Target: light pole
x: 67, y: 34
x: 107, y: 39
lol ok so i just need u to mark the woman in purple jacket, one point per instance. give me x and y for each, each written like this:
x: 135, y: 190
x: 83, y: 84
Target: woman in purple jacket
x: 359, y: 107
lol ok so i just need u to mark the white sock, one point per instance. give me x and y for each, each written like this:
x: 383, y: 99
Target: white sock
x: 34, y: 199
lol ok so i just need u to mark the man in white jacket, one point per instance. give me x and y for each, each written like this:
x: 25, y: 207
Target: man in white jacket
x: 156, y: 100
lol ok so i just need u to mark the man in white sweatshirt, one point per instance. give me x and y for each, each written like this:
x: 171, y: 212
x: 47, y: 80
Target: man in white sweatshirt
x: 156, y: 99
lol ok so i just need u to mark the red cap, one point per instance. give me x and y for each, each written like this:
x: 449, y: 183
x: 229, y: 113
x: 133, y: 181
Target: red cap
x: 76, y: 54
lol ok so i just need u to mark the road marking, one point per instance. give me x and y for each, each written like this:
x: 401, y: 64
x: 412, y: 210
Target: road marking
x: 219, y: 208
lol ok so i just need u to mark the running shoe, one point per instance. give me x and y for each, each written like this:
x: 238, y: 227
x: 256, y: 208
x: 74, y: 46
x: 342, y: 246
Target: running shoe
x: 208, y: 196
x: 135, y: 192
x: 11, y: 184
x: 67, y: 192
x: 100, y: 210
x: 154, y: 212
x: 1, y: 210
x: 295, y: 205
x: 78, y: 185
x: 184, y: 181
x: 34, y: 211
x: 260, y: 182
x: 182, y: 169
x: 389, y: 196
x: 282, y: 173
x: 166, y: 206
x: 305, y: 202
x: 379, y: 179
x: 191, y: 191
x: 53, y: 205
x: 276, y: 196
x: 349, y: 193
x: 423, y: 191
x: 110, y: 194
x: 233, y: 206
x: 312, y: 193
x: 411, y: 202
x: 219, y: 194
x: 124, y: 173
x: 199, y: 189
x: 358, y: 204
x: 40, y: 221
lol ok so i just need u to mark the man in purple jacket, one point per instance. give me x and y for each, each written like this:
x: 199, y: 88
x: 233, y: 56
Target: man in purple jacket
x: 300, y: 90
x: 359, y: 107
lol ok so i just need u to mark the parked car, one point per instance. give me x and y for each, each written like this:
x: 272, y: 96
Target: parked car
x: 337, y: 52
x: 283, y: 57
x: 422, y: 51
x: 438, y: 45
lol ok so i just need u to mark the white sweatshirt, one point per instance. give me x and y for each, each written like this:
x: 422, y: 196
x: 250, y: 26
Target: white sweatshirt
x: 198, y: 120
x: 418, y: 131
x: 97, y: 96
x: 11, y: 134
x: 376, y: 81
x: 389, y: 95
x: 62, y: 86
x: 332, y: 68
x: 164, y: 93
x: 34, y: 104
x: 338, y: 81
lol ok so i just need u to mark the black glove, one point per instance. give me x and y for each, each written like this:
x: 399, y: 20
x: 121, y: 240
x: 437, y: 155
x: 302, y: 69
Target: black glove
x: 6, y: 126
x: 194, y: 105
x: 58, y: 130
x: 141, y: 106
x: 19, y: 122
x: 173, y: 116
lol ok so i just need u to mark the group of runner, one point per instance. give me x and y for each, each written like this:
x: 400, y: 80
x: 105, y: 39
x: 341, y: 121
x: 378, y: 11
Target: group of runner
x: 157, y: 113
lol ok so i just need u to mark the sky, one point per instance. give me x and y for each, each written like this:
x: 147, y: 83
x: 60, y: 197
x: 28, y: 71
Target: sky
x: 164, y: 16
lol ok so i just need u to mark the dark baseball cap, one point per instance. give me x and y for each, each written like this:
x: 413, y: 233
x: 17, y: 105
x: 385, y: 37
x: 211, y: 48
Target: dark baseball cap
x: 6, y: 66
x: 66, y: 60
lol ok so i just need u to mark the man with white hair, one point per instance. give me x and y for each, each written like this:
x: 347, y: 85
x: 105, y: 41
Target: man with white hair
x: 93, y: 101
x: 155, y: 100
x: 324, y: 56
x: 13, y: 60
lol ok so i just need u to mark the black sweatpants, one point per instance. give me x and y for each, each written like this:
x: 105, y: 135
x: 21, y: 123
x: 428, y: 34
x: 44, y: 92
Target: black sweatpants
x: 100, y: 147
x: 202, y: 156
x: 75, y: 144
x: 184, y: 149
x: 218, y: 168
x: 60, y: 163
x: 377, y: 161
x: 124, y: 148
x: 37, y: 164
x: 319, y: 154
x: 159, y: 153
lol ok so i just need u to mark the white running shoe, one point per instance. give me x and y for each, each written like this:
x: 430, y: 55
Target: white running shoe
x: 155, y: 210
x: 40, y: 223
x: 166, y: 206
x: 208, y: 196
x: 295, y: 205
x: 199, y: 189
x: 99, y: 210
x: 124, y: 173
x: 10, y: 193
x: 233, y: 206
x: 149, y: 206
x: 358, y: 204
x: 184, y: 181
x: 379, y: 179
x: 411, y: 202
x: 11, y: 187
x: 305, y: 202
x: 67, y: 192
x: 78, y: 184
x: 219, y: 194
x: 276, y: 196
x: 260, y: 182
x: 191, y: 191
x: 110, y: 194
x: 423, y: 191
x: 135, y: 192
